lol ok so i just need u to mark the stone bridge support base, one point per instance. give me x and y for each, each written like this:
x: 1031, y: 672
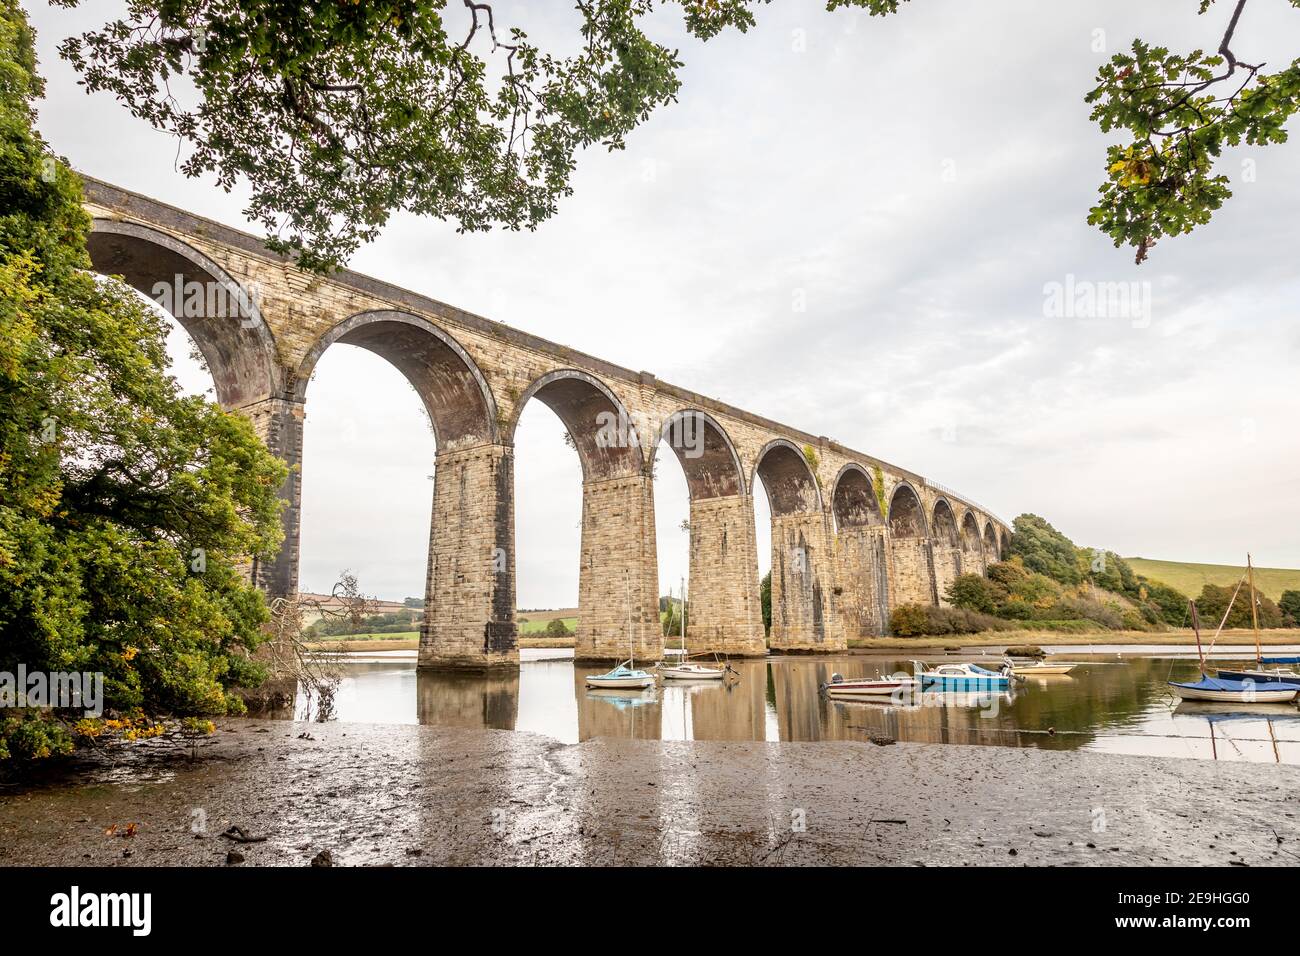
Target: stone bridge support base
x: 803, y: 585
x: 911, y: 575
x: 618, y: 580
x: 725, y: 615
x: 864, y: 580
x: 278, y: 422
x: 947, y: 565
x: 469, y: 618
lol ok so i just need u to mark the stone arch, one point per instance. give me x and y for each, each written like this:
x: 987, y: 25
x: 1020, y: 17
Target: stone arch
x: 219, y: 313
x: 595, y: 418
x: 854, y: 502
x: 906, y: 516
x: 989, y: 544
x: 970, y: 533
x: 706, y: 453
x: 943, y: 527
x: 791, y: 485
x: 454, y: 392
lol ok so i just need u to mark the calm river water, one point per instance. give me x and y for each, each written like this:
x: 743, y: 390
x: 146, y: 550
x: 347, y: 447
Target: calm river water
x: 1112, y: 703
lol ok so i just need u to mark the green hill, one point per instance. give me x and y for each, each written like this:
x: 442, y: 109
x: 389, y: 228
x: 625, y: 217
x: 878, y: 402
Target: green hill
x: 1189, y: 578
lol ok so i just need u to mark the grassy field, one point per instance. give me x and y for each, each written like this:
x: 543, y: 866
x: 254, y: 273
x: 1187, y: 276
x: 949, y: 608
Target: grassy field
x: 1190, y: 578
x: 535, y: 626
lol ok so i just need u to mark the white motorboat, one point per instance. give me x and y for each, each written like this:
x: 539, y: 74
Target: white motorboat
x: 622, y: 676
x: 951, y: 676
x: 840, y: 686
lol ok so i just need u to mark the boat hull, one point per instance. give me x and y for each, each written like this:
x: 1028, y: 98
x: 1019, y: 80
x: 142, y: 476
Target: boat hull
x: 1222, y: 690
x: 1042, y: 670
x: 875, y: 688
x: 678, y: 673
x: 621, y: 682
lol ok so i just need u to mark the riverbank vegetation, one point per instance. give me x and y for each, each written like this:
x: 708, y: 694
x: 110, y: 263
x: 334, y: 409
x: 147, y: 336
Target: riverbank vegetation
x: 1050, y: 584
x: 128, y: 512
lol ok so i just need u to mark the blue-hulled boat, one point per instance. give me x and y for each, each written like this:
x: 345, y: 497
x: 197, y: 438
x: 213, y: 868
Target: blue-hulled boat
x: 1264, y: 676
x: 960, y: 677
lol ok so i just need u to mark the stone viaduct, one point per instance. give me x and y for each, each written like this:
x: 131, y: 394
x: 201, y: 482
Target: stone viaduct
x: 852, y: 535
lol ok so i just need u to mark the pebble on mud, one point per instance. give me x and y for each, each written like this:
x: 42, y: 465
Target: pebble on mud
x: 233, y: 857
x: 323, y: 858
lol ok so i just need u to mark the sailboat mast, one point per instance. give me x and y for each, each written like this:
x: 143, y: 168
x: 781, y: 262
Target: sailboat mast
x: 682, y: 592
x: 1254, y: 610
x: 1196, y: 627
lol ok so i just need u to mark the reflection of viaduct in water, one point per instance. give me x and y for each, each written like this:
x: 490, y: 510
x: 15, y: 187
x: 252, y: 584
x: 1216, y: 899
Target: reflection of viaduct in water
x: 851, y: 535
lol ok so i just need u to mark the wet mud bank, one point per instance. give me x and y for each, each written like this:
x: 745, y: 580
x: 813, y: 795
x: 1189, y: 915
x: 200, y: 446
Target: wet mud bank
x: 417, y: 795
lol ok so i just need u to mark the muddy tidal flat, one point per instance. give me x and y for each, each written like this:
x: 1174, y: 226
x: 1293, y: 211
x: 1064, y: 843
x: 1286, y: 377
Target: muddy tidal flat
x: 404, y: 795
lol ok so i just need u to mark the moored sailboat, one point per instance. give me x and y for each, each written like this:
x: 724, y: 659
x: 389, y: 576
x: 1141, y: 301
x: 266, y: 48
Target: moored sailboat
x: 1223, y: 689
x: 1261, y: 674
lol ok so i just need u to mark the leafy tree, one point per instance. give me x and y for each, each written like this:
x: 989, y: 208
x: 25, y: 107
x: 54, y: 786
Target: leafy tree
x: 126, y: 510
x: 1289, y: 605
x: 1214, y: 600
x: 975, y: 592
x: 765, y: 601
x: 1045, y: 550
x: 1180, y: 110
x: 556, y: 627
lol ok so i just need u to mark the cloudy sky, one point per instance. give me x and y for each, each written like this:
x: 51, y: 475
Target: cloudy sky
x: 918, y: 181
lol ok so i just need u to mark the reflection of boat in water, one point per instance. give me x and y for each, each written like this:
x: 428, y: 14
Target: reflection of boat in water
x: 622, y: 699
x: 983, y: 699
x: 960, y: 677
x: 1217, y: 712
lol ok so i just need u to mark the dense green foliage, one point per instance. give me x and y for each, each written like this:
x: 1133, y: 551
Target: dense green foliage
x: 1180, y: 111
x: 1213, y: 602
x: 125, y: 508
x: 557, y: 628
x: 1045, y: 551
x: 399, y: 622
x: 1289, y: 605
x: 765, y: 601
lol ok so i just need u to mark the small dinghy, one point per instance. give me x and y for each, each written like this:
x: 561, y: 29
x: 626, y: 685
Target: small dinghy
x: 961, y: 677
x: 1247, y: 691
x: 691, y: 672
x: 622, y: 676
x: 841, y: 686
x: 1039, y: 669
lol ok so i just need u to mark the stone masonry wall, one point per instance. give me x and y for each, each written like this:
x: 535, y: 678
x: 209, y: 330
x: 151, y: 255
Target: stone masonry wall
x: 618, y: 581
x: 725, y: 615
x: 864, y: 579
x: 469, y: 616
